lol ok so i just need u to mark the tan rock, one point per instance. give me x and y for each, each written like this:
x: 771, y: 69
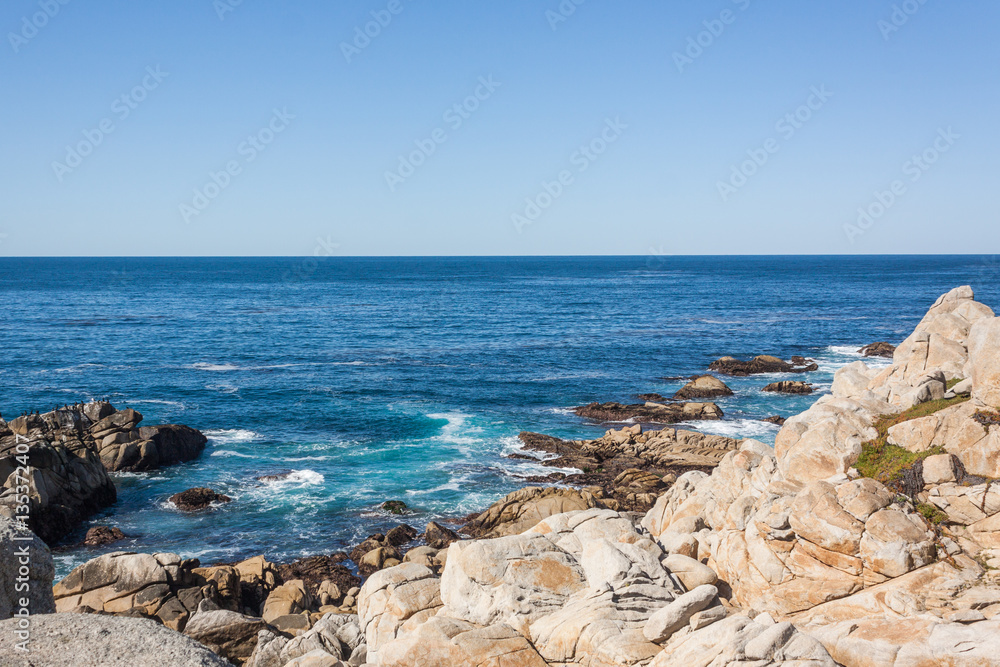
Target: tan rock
x: 984, y: 361
x: 290, y: 598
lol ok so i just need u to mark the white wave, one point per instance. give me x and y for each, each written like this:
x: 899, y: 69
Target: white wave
x: 734, y: 428
x: 202, y: 366
x: 300, y: 477
x: 348, y: 363
x: 223, y: 388
x: 228, y: 453
x: 293, y: 459
x: 153, y: 401
x: 561, y: 411
x: 79, y: 368
x: 456, y: 432
x: 231, y: 435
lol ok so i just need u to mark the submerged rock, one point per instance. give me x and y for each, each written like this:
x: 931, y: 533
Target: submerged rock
x: 762, y: 364
x: 395, y: 507
x: 197, y: 499
x: 99, y: 535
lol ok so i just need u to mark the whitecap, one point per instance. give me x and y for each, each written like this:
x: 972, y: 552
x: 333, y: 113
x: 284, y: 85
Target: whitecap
x: 202, y: 366
x: 230, y: 435
x: 223, y: 388
x: 300, y: 477
x: 227, y: 453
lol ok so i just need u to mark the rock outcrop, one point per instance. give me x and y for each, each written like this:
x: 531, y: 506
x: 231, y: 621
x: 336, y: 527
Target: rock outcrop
x: 586, y: 587
x: 67, y: 454
x: 703, y: 386
x: 64, y: 478
x: 761, y: 364
x: 798, y: 534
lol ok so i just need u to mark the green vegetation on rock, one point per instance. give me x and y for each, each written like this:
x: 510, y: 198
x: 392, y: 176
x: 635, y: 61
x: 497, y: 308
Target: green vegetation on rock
x: 887, y: 463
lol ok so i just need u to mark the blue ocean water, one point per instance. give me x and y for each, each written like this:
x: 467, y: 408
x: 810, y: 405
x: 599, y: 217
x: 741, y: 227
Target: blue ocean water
x: 372, y: 379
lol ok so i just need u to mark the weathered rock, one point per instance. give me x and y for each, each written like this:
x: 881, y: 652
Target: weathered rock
x: 228, y: 634
x: 671, y: 618
x: 400, y: 535
x: 789, y: 387
x: 88, y: 640
x: 65, y: 480
x: 456, y: 643
x: 690, y: 572
x: 703, y: 386
x: 439, y: 537
x: 288, y: 598
x: 761, y: 364
x: 523, y: 509
x: 880, y: 349
x: 22, y: 548
x: 984, y: 362
x: 197, y: 499
x: 172, y: 443
x: 737, y: 640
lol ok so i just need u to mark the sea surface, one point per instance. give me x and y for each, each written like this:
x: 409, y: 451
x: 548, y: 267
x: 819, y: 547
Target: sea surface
x: 374, y: 379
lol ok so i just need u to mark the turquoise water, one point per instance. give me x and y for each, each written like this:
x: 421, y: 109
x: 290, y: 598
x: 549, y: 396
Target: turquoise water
x: 378, y: 379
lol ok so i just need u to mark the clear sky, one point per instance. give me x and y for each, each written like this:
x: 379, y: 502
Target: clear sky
x: 194, y: 127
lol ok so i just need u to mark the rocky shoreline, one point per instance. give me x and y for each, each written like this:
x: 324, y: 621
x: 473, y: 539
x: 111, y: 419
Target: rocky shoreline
x: 868, y: 535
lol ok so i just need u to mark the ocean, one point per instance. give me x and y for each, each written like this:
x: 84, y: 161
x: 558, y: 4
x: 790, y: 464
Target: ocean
x: 374, y: 379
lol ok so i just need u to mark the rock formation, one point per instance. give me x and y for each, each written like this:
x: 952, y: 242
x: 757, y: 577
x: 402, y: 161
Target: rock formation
x: 789, y: 387
x: 649, y: 412
x: 761, y: 364
x: 880, y: 349
x: 68, y: 453
x: 703, y: 386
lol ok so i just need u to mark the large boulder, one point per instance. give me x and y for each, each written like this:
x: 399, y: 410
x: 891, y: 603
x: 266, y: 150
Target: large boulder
x: 175, y: 443
x: 20, y: 548
x: 227, y: 633
x: 90, y: 640
x: 703, y: 386
x: 523, y: 509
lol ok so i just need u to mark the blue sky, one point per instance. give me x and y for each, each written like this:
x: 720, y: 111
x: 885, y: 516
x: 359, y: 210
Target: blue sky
x: 250, y: 129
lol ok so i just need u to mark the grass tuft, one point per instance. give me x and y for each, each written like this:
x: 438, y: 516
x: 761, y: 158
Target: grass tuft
x: 888, y: 463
